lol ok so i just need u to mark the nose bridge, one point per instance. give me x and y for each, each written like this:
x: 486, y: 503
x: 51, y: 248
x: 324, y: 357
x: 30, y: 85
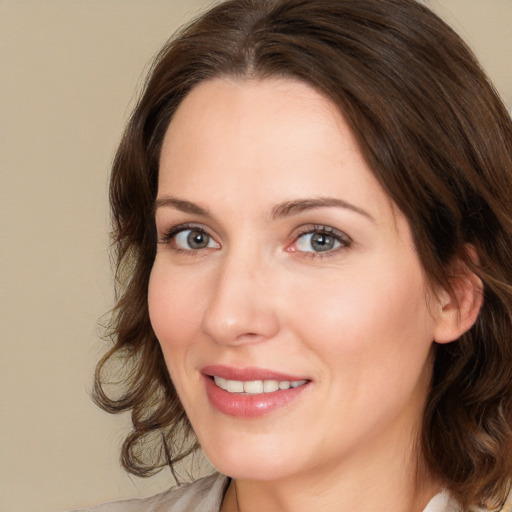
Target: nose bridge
x: 240, y: 309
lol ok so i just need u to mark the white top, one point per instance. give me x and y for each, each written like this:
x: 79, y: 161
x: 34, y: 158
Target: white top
x: 205, y: 495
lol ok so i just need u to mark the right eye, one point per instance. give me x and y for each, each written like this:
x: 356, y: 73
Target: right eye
x: 189, y: 239
x: 193, y: 240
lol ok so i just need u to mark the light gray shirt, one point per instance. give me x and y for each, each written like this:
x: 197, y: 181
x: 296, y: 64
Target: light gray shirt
x: 203, y: 495
x: 206, y: 494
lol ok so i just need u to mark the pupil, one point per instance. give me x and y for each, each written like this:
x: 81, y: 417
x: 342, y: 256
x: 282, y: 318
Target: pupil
x: 197, y: 240
x: 322, y: 242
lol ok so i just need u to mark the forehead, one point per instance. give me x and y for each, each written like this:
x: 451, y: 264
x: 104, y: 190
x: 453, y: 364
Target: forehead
x: 230, y: 110
x: 261, y: 141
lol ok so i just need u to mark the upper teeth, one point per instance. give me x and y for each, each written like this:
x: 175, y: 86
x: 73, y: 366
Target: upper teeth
x: 254, y: 387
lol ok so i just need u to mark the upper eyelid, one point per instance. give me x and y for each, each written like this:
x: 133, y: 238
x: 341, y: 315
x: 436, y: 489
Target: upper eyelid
x: 312, y: 228
x: 169, y: 233
x: 343, y: 239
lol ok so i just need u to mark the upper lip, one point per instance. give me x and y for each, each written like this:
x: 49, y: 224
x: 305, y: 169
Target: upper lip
x: 248, y: 373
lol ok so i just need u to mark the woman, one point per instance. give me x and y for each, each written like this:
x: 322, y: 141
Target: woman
x: 313, y: 223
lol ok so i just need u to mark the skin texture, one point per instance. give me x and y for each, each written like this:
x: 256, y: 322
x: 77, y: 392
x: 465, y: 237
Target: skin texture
x: 357, y: 321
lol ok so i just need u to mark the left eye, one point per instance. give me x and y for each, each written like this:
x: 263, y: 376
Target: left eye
x: 317, y: 241
x: 193, y: 239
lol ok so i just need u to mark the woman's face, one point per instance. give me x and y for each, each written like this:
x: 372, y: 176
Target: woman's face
x: 281, y: 262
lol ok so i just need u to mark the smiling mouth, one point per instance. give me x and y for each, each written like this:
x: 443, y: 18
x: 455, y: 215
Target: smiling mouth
x: 256, y: 387
x: 251, y: 392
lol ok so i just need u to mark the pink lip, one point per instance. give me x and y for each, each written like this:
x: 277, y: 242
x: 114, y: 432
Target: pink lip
x: 248, y: 406
x: 249, y: 373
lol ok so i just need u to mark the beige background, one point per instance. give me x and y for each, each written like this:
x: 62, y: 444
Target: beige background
x: 69, y: 69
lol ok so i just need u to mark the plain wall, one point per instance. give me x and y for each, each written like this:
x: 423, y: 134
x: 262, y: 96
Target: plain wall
x: 69, y: 70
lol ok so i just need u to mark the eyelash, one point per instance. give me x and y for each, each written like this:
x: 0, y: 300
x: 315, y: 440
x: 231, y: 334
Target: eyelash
x: 342, y: 238
x: 169, y: 235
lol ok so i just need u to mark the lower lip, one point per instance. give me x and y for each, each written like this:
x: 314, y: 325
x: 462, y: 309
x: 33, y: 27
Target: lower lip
x: 249, y: 406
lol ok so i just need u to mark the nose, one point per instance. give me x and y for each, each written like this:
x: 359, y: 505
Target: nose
x: 240, y: 308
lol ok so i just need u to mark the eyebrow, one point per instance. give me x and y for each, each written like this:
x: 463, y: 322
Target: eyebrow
x: 301, y: 205
x: 182, y: 205
x: 279, y: 211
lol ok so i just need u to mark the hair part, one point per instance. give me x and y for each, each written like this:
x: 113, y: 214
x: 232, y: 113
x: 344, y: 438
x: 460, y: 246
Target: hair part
x: 438, y: 139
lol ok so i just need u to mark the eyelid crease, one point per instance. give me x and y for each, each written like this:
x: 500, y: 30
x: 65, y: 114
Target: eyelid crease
x: 344, y: 239
x: 172, y: 232
x: 321, y: 228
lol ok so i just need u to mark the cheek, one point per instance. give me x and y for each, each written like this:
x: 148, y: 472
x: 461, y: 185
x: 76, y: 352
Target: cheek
x: 370, y: 319
x: 174, y: 308
x: 175, y: 318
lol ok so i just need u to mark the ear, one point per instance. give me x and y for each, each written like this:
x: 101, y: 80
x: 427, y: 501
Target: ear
x: 458, y: 307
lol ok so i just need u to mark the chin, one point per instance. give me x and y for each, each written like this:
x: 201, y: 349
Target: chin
x: 253, y: 470
x: 258, y: 460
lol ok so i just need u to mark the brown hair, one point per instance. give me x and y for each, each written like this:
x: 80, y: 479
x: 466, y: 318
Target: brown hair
x: 438, y: 139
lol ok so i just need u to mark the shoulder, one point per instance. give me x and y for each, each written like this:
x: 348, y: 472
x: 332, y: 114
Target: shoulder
x: 204, y: 494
